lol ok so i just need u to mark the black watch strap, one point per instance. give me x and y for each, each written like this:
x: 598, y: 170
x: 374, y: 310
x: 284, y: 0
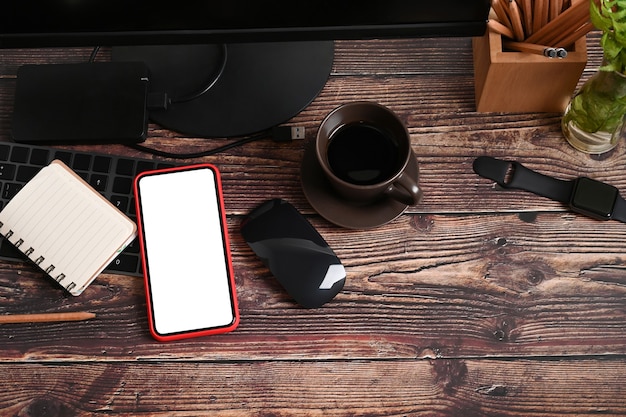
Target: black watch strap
x: 619, y: 210
x: 513, y: 175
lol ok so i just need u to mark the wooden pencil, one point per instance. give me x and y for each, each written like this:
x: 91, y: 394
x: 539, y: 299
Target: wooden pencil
x: 527, y: 14
x: 532, y: 48
x: 45, y: 317
x: 516, y: 21
x: 556, y: 36
x: 499, y: 28
x: 555, y: 9
x: 571, y: 38
x: 539, y: 14
x: 501, y: 13
x: 568, y: 18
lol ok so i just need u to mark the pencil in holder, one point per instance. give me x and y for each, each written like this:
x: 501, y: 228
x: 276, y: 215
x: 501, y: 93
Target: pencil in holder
x: 512, y: 81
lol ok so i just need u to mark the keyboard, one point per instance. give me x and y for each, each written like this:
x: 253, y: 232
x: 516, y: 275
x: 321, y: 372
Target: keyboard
x: 110, y: 175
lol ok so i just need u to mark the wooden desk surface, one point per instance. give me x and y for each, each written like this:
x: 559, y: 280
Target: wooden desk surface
x: 476, y: 302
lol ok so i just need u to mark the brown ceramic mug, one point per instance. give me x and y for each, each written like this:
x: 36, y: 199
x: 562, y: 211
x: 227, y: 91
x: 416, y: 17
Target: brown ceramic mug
x: 364, y: 149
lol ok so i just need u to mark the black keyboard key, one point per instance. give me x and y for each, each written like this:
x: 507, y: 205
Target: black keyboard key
x: 63, y: 156
x: 122, y: 185
x: 102, y: 164
x: 82, y: 162
x: 125, y: 167
x: 121, y: 202
x: 83, y: 175
x: 10, y: 189
x: 7, y: 171
x: 39, y: 157
x: 20, y: 154
x: 143, y: 166
x: 99, y: 182
x: 26, y: 172
x: 132, y: 210
x: 133, y: 247
x: 124, y: 263
x: 5, y: 151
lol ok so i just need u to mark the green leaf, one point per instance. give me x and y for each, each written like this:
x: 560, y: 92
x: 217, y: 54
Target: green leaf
x: 611, y: 47
x: 598, y: 20
x: 601, y: 103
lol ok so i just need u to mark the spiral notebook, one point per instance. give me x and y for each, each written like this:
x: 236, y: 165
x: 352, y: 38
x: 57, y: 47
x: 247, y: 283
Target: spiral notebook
x: 65, y: 227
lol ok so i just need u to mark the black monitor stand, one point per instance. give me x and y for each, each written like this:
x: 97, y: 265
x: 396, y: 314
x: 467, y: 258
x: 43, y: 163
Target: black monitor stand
x: 234, y: 89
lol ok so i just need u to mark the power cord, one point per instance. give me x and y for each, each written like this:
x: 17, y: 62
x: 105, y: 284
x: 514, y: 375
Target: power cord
x: 94, y: 53
x: 277, y: 134
x: 208, y: 85
x: 161, y: 101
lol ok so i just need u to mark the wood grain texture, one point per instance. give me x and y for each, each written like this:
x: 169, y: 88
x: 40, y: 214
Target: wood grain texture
x: 475, y: 302
x: 433, y: 388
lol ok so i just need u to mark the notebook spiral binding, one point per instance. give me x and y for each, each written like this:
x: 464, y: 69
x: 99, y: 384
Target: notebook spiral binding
x: 39, y: 260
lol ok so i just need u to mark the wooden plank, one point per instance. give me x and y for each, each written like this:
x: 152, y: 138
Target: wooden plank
x: 416, y: 388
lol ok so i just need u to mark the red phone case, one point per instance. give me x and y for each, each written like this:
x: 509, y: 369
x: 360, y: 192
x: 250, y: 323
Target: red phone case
x: 226, y: 244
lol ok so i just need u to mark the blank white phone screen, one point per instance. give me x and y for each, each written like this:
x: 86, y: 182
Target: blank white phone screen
x: 186, y: 254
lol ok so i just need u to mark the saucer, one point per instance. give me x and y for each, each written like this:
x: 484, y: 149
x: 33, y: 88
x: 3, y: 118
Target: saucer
x: 337, y: 210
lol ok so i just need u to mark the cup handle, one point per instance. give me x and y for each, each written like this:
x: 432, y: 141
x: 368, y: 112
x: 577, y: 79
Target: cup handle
x: 405, y: 190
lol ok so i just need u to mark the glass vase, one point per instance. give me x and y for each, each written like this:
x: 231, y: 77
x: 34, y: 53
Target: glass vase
x: 593, y: 121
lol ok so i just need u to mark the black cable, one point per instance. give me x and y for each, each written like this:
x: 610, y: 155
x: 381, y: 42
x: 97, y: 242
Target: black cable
x: 278, y: 134
x: 200, y: 154
x: 209, y: 85
x: 94, y: 52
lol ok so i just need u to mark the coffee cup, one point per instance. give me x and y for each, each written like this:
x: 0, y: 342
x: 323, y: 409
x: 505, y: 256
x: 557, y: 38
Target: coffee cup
x: 364, y: 149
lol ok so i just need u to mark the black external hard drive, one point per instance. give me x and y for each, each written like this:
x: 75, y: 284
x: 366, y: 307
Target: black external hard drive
x: 81, y: 103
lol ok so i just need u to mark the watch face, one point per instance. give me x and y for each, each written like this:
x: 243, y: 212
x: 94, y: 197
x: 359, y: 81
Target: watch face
x: 593, y: 198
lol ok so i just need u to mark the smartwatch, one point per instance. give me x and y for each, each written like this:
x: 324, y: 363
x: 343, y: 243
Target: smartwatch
x: 583, y: 195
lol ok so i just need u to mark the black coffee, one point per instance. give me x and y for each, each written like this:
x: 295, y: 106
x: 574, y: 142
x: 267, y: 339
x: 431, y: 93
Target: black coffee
x: 363, y: 154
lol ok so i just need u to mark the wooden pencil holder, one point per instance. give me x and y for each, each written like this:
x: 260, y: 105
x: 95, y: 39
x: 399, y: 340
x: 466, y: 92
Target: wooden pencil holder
x: 521, y: 81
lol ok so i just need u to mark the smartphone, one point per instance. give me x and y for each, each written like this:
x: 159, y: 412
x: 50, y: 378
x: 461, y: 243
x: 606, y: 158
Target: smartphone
x: 187, y: 267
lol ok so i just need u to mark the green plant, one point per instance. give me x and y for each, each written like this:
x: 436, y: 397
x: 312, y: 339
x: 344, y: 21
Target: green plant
x: 609, y: 16
x: 601, y: 103
x: 594, y: 119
